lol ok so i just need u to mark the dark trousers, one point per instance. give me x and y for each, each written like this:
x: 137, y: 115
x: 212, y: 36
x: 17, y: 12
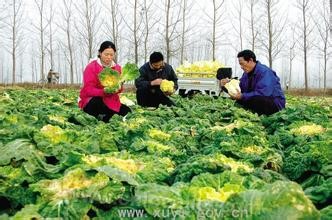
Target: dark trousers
x: 260, y: 104
x: 152, y: 98
x: 97, y: 108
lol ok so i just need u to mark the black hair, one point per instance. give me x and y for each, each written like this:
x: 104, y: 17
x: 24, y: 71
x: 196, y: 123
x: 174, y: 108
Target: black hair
x: 156, y: 57
x: 105, y: 45
x: 247, y: 55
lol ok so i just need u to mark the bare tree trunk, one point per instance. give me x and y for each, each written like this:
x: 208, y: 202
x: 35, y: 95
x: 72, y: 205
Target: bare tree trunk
x: 172, y: 19
x: 290, y: 71
x: 331, y: 19
x: 269, y: 21
x: 305, y: 31
x: 253, y: 31
x: 214, y: 31
x: 305, y: 49
x: 167, y: 27
x: 304, y: 7
x: 32, y: 70
x: 15, y: 24
x: 89, y: 27
x: 49, y: 23
x: 183, y: 35
x: 135, y: 33
x: 67, y: 28
x: 3, y: 72
x: 149, y: 23
x: 71, y: 58
x: 238, y: 26
x: 21, y: 72
x: 272, y: 41
x: 41, y: 29
x: 291, y: 58
x: 147, y: 29
x: 14, y: 43
x: 62, y: 67
x: 323, y: 28
x: 34, y: 75
x: 116, y: 21
x: 216, y: 20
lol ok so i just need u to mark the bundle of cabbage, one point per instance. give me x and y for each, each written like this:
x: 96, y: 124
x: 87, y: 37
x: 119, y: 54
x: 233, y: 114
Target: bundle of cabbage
x: 167, y: 86
x: 112, y: 80
x: 233, y: 87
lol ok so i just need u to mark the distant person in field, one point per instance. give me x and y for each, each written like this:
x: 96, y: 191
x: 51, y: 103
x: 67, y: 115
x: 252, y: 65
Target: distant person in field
x: 260, y: 86
x: 93, y: 99
x: 152, y: 73
x: 52, y: 76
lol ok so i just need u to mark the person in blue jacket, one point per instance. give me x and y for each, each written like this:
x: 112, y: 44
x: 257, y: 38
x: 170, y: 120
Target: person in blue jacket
x: 260, y: 86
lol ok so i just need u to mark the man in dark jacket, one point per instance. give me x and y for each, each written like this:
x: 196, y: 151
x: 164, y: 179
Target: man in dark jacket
x: 148, y: 92
x: 260, y: 86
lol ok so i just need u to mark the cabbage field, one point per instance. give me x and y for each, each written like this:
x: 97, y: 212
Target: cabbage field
x: 206, y: 158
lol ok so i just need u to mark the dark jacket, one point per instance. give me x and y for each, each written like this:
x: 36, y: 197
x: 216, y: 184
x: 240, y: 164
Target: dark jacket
x: 264, y: 82
x: 147, y: 75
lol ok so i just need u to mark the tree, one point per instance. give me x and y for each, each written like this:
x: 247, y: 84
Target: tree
x: 238, y: 6
x: 88, y: 25
x: 272, y: 41
x: 292, y: 54
x: 331, y: 18
x: 252, y: 21
x: 134, y: 26
x: 186, y: 8
x: 116, y: 20
x: 41, y: 29
x: 66, y: 14
x: 216, y: 20
x: 149, y: 24
x: 171, y: 34
x: 323, y: 27
x: 33, y: 64
x: 304, y: 6
x: 135, y: 29
x: 15, y: 23
x: 2, y: 24
x: 49, y: 20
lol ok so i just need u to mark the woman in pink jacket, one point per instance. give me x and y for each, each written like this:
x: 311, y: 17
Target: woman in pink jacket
x: 93, y: 99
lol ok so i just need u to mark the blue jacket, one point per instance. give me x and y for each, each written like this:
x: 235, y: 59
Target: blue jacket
x: 265, y: 82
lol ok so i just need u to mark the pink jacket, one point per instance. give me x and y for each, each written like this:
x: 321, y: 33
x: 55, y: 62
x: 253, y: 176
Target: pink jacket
x: 92, y: 87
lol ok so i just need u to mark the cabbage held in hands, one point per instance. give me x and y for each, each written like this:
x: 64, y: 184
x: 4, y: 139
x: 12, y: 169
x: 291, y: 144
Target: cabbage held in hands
x: 233, y: 87
x: 129, y: 72
x: 167, y: 86
x: 112, y: 80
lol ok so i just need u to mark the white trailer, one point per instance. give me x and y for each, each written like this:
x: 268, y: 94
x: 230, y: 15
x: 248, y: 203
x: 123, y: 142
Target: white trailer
x: 198, y: 82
